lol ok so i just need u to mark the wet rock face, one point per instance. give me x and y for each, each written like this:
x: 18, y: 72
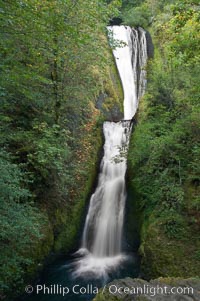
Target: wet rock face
x: 162, y: 289
x: 115, y: 21
x: 113, y: 112
x: 150, y: 46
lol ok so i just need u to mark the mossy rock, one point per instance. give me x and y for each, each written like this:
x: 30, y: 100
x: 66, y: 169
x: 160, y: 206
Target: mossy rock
x: 168, y: 257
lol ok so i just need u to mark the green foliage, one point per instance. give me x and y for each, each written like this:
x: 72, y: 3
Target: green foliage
x: 55, y: 61
x: 131, y: 3
x: 143, y: 12
x: 164, y: 150
x: 137, y: 16
x: 50, y: 149
x: 174, y: 226
x: 21, y: 224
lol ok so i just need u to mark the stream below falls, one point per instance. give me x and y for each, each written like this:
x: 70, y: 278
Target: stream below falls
x: 58, y: 276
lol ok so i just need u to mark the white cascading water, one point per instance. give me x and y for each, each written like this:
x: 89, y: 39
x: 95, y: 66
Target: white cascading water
x: 101, y: 248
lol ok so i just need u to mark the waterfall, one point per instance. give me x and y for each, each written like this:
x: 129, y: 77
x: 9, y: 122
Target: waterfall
x: 101, y: 247
x: 103, y: 226
x: 131, y: 61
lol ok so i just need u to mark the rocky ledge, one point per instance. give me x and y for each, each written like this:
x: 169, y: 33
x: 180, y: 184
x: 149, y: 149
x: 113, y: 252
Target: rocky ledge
x: 161, y: 289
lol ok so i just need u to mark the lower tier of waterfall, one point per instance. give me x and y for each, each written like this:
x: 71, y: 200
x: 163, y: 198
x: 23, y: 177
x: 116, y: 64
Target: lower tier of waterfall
x: 101, y: 247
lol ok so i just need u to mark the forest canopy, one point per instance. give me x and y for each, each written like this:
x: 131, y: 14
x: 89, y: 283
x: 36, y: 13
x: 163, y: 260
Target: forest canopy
x: 53, y: 61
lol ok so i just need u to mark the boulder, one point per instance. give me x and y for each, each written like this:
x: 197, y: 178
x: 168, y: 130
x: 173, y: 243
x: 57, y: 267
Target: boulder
x: 161, y: 289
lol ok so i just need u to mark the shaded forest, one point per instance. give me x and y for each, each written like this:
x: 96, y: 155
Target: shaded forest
x: 55, y: 63
x: 164, y: 156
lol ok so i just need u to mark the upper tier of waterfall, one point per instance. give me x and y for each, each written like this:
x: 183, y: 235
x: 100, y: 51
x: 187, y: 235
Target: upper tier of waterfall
x: 130, y: 59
